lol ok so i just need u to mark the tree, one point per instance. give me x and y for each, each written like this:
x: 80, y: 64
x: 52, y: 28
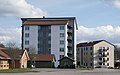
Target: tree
x: 12, y: 46
x: 2, y: 45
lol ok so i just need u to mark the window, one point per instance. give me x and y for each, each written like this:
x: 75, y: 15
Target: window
x: 107, y: 64
x: 90, y: 64
x: 100, y: 58
x: 86, y: 48
x: 100, y: 63
x: 90, y: 53
x: 86, y: 64
x: 26, y: 42
x: 90, y: 48
x: 61, y: 34
x: 61, y: 49
x: 27, y: 28
x: 61, y: 27
x: 107, y: 59
x: 26, y: 35
x: 49, y: 49
x: 61, y: 41
x: 61, y: 56
x: 107, y: 48
x: 4, y: 65
x: 107, y: 53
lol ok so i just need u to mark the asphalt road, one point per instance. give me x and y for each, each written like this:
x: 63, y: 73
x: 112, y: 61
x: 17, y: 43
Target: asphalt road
x: 42, y: 71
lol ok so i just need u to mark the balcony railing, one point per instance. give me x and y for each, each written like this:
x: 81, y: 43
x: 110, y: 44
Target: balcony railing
x: 102, y: 50
x: 69, y: 31
x: 69, y: 44
x: 103, y: 55
x: 69, y: 52
x: 69, y: 38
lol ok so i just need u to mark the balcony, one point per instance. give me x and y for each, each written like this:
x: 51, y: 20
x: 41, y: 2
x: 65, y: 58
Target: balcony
x: 69, y: 45
x: 69, y: 31
x: 103, y: 55
x: 102, y: 50
x: 69, y: 38
x: 69, y: 52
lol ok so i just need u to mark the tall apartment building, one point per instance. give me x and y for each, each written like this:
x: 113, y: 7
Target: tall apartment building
x: 50, y: 36
x: 95, y: 54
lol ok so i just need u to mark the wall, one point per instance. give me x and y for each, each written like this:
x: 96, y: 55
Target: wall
x: 4, y: 64
x: 33, y: 38
x: 110, y: 51
x: 23, y: 61
x: 55, y: 42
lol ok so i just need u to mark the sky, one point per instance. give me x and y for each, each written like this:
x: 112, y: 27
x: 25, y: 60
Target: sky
x: 96, y: 19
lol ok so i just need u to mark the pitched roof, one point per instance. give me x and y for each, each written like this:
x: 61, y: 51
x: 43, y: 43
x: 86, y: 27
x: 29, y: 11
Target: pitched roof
x: 13, y: 53
x: 48, y: 21
x: 45, y: 22
x: 42, y: 57
x: 3, y: 55
x: 88, y: 43
x: 67, y: 58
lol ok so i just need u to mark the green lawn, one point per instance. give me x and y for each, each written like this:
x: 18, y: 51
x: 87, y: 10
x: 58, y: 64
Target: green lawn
x: 15, y: 70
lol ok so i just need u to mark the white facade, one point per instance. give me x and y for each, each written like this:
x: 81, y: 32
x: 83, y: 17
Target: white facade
x: 55, y: 42
x: 33, y: 35
x: 100, y: 54
x: 63, y: 41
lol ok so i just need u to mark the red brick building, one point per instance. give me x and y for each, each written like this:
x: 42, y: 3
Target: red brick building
x: 13, y: 58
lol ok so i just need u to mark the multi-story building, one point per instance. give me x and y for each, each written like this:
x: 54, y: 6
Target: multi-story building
x: 95, y: 54
x: 50, y: 36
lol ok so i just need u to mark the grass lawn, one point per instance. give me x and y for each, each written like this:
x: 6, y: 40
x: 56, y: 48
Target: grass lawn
x: 15, y: 70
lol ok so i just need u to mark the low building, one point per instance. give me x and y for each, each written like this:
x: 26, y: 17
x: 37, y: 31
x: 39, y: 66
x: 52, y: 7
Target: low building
x: 13, y: 58
x: 95, y: 54
x: 41, y: 61
x: 66, y: 62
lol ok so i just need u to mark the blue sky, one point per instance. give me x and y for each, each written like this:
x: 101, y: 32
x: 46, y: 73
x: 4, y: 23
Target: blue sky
x: 97, y: 19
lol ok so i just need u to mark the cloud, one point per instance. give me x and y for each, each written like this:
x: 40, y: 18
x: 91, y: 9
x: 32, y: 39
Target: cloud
x: 19, y: 8
x: 113, y: 3
x: 116, y: 3
x: 109, y: 33
x: 10, y: 35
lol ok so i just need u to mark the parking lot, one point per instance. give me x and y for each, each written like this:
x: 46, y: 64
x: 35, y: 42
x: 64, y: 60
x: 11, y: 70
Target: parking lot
x: 44, y: 71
